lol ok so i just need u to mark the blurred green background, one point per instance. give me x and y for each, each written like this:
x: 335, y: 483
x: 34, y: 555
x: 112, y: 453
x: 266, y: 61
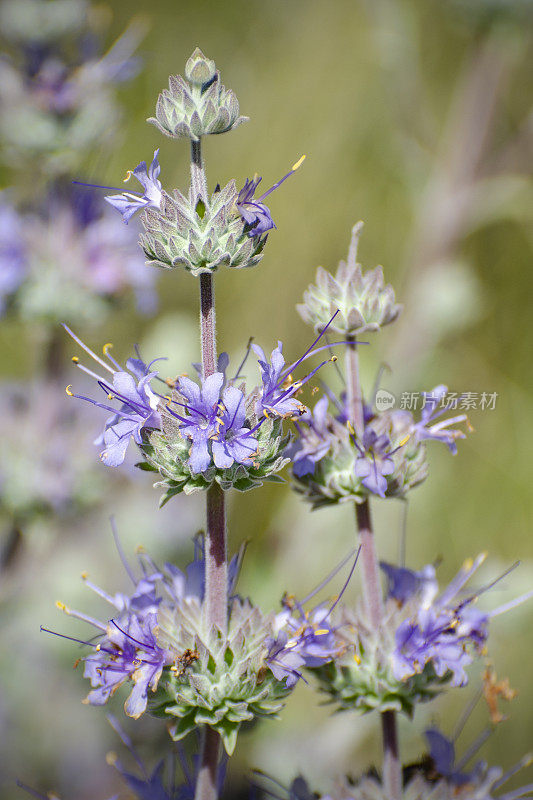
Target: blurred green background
x: 416, y: 118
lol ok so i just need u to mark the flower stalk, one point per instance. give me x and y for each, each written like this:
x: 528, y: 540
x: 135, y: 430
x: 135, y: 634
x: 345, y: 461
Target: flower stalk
x: 216, y: 567
x: 392, y: 770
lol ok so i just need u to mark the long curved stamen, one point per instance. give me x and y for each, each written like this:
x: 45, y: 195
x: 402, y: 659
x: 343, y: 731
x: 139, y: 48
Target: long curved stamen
x: 243, y: 362
x: 120, y: 551
x: 348, y: 579
x: 98, y: 186
x: 278, y: 183
x: 83, y: 617
x: 144, y: 645
x: 298, y: 384
x: 88, y: 349
x: 328, y: 578
x: 293, y: 366
x: 70, y: 638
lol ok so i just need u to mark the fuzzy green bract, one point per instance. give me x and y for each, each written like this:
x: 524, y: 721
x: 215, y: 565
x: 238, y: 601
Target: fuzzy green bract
x: 199, y: 238
x: 363, y: 300
x: 167, y: 452
x: 363, y: 678
x: 198, y: 105
x: 228, y: 683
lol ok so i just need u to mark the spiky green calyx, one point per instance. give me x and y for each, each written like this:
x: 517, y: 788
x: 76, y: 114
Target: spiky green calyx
x: 167, y: 452
x: 228, y: 682
x: 198, y: 104
x: 362, y: 300
x: 199, y: 238
x: 363, y: 679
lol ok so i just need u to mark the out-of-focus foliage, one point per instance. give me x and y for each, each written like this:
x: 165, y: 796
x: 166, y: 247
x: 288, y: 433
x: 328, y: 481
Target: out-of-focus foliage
x: 416, y: 117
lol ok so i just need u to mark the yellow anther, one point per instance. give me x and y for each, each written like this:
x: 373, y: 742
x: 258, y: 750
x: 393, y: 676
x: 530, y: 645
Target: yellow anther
x: 84, y: 576
x: 140, y: 548
x: 298, y: 163
x: 350, y: 427
x: 265, y: 412
x: 111, y: 758
x: 333, y: 359
x: 61, y: 606
x: 68, y: 390
x: 321, y: 632
x: 168, y: 398
x: 129, y: 173
x: 110, y: 396
x: 405, y: 440
x: 314, y: 390
x: 357, y: 659
x: 97, y: 648
x: 468, y: 564
x: 107, y: 346
x: 75, y: 359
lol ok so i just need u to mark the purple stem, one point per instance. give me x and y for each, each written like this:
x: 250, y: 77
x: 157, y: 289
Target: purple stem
x: 392, y: 769
x: 216, y: 566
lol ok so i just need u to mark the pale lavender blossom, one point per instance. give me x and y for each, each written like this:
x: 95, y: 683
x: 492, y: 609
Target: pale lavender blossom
x: 440, y: 431
x: 128, y: 203
x: 253, y: 210
x: 131, y: 388
x: 445, y: 630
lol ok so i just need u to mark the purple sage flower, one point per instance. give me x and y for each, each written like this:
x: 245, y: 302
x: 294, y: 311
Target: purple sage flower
x: 374, y: 461
x: 131, y: 387
x: 128, y: 203
x: 440, y: 431
x: 443, y: 630
x: 254, y: 212
x: 306, y: 638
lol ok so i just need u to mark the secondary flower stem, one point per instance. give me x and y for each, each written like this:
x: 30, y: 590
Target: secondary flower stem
x: 216, y: 567
x: 392, y: 770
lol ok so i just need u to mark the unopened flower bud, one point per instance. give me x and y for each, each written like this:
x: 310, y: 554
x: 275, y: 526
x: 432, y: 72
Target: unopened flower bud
x: 199, y: 69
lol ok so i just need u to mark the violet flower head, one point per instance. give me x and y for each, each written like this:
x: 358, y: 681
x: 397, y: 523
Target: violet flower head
x: 442, y: 754
x: 278, y: 394
x: 254, y: 212
x: 232, y: 442
x: 131, y: 388
x: 444, y: 630
x: 374, y: 461
x: 199, y: 417
x: 440, y: 431
x: 128, y: 203
x: 306, y: 638
x: 314, y: 439
x: 126, y: 647
x: 404, y: 583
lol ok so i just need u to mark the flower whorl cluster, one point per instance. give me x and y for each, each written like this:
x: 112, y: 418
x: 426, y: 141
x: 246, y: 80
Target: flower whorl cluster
x: 198, y: 104
x: 177, y: 666
x: 332, y: 464
x: 214, y: 430
x: 425, y: 642
x: 364, y: 302
x: 199, y: 237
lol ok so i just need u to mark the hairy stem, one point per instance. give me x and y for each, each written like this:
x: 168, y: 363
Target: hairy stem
x: 392, y: 770
x: 207, y: 783
x: 216, y: 568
